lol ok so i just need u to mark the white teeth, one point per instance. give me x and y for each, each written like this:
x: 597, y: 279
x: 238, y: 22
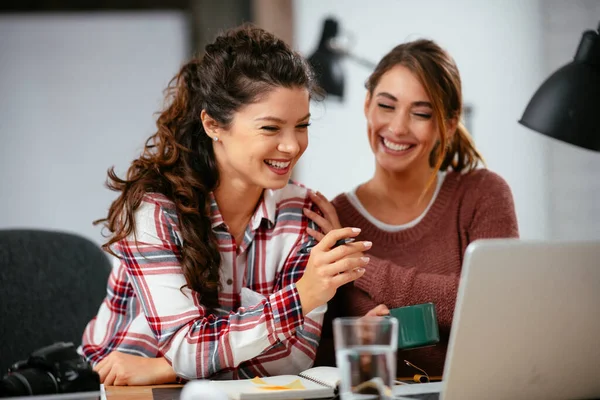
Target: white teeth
x: 278, y: 164
x: 395, y: 146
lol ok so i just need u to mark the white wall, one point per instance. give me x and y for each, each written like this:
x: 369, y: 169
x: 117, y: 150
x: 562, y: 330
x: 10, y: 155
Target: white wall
x: 497, y: 45
x: 78, y: 93
x: 574, y: 184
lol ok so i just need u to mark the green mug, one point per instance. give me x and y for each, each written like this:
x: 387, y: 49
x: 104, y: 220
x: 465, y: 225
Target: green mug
x: 417, y: 325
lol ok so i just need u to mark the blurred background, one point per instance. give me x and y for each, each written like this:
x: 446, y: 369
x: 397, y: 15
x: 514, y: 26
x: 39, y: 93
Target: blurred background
x: 80, y: 86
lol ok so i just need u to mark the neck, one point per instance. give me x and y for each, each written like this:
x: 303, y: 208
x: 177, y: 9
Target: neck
x: 402, y: 190
x: 237, y: 202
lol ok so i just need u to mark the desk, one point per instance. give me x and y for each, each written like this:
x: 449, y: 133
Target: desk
x: 145, y: 392
x: 133, y: 392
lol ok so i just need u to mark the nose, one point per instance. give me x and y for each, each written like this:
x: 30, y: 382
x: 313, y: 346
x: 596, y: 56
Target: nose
x: 289, y: 144
x: 399, y: 124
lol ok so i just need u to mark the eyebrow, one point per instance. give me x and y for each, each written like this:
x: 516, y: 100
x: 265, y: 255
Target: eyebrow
x: 279, y: 120
x: 415, y: 103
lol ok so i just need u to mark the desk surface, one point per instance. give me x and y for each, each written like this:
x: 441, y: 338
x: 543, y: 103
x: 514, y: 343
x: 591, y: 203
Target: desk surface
x: 132, y: 392
x: 144, y: 392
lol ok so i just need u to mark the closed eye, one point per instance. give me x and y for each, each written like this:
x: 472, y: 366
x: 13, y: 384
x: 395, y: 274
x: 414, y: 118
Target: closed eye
x: 303, y: 126
x: 385, y: 106
x: 270, y: 128
x: 423, y: 115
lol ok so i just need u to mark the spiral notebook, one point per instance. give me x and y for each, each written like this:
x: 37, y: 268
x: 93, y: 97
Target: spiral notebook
x: 314, y: 383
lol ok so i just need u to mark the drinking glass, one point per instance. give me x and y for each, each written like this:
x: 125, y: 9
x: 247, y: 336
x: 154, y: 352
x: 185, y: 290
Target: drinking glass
x: 365, y: 352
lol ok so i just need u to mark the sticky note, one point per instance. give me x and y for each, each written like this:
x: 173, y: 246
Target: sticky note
x: 294, y: 385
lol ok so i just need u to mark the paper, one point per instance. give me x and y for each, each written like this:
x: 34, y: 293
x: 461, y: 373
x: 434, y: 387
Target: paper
x: 294, y: 385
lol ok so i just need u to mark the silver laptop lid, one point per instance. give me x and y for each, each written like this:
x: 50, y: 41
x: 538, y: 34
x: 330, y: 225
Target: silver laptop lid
x: 527, y: 322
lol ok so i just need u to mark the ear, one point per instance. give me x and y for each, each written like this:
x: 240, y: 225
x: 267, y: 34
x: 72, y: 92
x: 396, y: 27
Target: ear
x: 211, y: 126
x: 367, y: 103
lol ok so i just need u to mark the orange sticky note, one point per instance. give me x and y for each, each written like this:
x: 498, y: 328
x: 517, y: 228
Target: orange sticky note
x: 294, y: 385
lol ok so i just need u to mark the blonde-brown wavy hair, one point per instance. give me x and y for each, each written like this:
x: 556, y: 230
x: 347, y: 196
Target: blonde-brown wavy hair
x: 438, y: 73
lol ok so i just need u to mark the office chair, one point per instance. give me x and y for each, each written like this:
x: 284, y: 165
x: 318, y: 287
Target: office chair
x: 51, y: 285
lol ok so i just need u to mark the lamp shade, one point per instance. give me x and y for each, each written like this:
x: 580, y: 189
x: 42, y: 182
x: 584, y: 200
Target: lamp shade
x: 327, y: 63
x: 567, y: 105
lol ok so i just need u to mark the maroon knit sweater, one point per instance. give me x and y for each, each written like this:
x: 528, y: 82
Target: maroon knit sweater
x: 423, y: 263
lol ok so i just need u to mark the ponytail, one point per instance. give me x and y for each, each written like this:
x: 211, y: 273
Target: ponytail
x: 462, y: 155
x: 179, y: 162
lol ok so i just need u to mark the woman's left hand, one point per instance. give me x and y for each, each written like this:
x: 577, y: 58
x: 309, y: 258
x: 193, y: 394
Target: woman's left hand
x: 120, y: 369
x: 328, y: 222
x: 379, y: 311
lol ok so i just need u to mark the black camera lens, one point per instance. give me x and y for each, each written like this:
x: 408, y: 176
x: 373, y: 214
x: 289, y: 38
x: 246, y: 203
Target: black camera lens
x: 28, y: 382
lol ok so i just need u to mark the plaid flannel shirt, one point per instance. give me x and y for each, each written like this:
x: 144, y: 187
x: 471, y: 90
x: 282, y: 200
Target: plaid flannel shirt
x: 258, y: 329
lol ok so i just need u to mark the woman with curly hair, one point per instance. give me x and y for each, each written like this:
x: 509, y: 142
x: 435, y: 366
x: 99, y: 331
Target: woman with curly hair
x: 210, y: 279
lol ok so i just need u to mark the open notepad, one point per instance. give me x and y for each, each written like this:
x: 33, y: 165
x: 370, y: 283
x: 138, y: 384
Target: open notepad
x: 313, y: 383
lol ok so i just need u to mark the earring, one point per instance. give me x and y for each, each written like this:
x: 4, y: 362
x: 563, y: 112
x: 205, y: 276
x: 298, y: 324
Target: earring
x: 215, y: 138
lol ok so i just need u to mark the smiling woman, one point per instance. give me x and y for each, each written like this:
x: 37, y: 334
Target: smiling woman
x: 209, y: 280
x: 426, y: 202
x: 266, y: 138
x: 285, y: 165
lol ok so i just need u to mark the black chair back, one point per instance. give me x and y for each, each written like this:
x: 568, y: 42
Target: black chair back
x: 51, y: 285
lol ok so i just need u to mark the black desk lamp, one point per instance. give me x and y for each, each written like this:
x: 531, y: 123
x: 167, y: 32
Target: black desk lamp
x: 327, y: 59
x: 567, y: 105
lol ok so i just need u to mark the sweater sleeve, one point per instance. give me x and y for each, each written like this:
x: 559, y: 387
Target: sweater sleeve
x: 491, y: 213
x: 488, y: 212
x: 410, y: 287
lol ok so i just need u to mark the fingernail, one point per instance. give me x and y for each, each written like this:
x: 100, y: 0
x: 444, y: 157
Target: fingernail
x: 368, y: 244
x: 365, y: 259
x: 305, y: 209
x: 360, y: 270
x: 355, y: 229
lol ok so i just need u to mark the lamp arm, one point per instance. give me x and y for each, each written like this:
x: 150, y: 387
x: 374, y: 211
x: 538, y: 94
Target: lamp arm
x: 340, y: 50
x: 360, y: 60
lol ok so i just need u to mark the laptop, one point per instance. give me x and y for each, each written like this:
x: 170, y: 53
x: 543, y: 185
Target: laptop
x: 526, y: 324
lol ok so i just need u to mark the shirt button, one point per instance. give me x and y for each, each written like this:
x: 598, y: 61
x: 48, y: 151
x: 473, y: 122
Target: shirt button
x: 229, y: 281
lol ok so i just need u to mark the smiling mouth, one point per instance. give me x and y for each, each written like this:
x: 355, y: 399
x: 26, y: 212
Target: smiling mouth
x: 278, y: 167
x: 397, y: 147
x: 278, y: 164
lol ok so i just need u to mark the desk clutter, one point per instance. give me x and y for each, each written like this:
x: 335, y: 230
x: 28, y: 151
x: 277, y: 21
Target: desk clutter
x: 314, y: 383
x: 54, y: 369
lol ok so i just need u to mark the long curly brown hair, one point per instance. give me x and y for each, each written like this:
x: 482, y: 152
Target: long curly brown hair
x: 179, y: 161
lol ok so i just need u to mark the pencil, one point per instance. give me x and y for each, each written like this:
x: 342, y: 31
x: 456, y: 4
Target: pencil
x: 308, y: 248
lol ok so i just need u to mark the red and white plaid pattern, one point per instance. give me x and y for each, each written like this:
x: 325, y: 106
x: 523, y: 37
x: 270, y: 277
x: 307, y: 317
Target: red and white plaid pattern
x: 258, y: 329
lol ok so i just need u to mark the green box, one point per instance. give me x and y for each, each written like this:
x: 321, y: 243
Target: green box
x: 417, y: 325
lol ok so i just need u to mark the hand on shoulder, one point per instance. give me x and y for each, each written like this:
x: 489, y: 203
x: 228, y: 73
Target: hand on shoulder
x: 328, y: 221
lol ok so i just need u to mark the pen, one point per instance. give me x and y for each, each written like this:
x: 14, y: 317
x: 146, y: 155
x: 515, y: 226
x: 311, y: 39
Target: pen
x: 307, y: 249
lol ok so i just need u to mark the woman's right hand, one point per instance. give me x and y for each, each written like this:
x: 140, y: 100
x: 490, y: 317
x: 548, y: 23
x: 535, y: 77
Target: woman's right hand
x: 328, y: 268
x: 121, y: 369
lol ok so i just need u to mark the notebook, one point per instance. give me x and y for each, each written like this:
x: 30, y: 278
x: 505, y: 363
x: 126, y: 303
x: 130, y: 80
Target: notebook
x: 314, y: 383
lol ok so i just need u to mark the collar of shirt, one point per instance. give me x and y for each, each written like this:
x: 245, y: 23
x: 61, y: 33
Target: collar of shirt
x: 266, y: 209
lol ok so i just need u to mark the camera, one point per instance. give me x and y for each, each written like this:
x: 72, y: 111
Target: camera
x: 57, y: 368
